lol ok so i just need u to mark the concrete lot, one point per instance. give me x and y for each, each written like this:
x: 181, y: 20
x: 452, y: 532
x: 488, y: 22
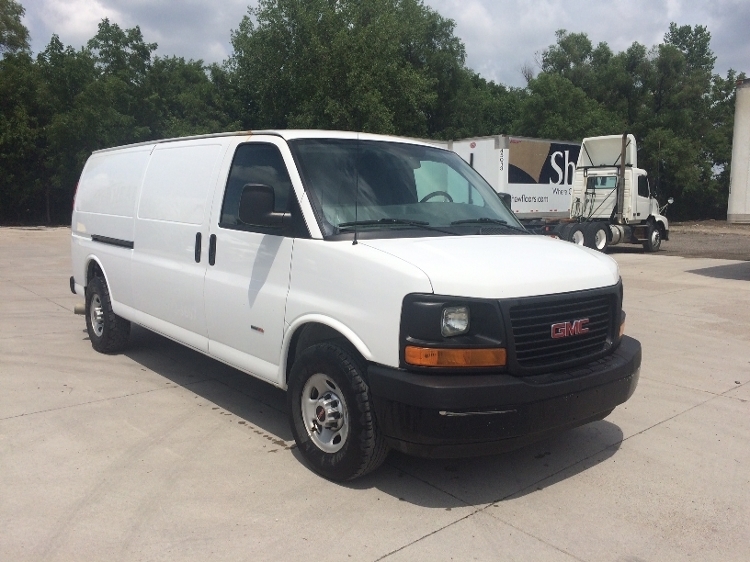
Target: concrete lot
x: 164, y: 454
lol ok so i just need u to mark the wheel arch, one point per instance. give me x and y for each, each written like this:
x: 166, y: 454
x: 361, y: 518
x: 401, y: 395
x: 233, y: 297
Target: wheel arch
x: 663, y: 225
x: 94, y: 268
x: 312, y: 329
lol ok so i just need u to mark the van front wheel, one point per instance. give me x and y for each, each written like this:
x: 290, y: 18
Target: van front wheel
x: 108, y: 332
x: 331, y: 413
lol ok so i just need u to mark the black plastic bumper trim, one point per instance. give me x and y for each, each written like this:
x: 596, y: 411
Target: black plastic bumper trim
x: 501, y: 412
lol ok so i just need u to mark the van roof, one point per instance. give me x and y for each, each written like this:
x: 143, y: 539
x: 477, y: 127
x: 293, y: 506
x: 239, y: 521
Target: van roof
x: 286, y: 134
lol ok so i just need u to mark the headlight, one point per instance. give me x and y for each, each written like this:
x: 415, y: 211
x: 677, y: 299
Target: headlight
x: 447, y: 332
x: 454, y: 321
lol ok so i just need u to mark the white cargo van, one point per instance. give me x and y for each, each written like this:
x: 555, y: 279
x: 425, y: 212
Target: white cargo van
x: 380, y: 280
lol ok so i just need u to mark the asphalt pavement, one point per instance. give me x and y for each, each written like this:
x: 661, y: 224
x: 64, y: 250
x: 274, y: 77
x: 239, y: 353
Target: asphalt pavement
x: 161, y: 453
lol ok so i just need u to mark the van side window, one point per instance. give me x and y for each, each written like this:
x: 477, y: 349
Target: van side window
x: 642, y: 186
x: 257, y: 163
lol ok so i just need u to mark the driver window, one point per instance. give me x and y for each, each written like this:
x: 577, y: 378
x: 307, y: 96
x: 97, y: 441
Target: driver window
x: 255, y: 163
x: 643, y: 186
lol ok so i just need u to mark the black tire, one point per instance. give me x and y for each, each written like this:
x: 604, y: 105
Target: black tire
x: 653, y: 242
x: 108, y: 332
x: 577, y: 234
x: 563, y: 230
x: 360, y: 447
x: 597, y: 235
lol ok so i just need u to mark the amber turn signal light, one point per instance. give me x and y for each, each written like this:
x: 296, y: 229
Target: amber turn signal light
x: 430, y: 357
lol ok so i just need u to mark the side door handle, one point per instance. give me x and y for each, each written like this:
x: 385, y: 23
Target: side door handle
x: 198, y: 240
x: 212, y: 250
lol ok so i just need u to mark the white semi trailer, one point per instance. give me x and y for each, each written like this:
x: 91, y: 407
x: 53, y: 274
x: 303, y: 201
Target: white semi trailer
x: 602, y: 200
x: 738, y: 207
x: 537, y: 174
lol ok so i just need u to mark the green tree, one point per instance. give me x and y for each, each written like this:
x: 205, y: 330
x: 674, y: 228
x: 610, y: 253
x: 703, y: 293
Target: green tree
x: 680, y: 112
x: 184, y: 98
x: 557, y: 109
x: 387, y: 66
x: 14, y: 36
x: 673, y: 133
x: 479, y: 108
x: 22, y: 118
x: 69, y: 133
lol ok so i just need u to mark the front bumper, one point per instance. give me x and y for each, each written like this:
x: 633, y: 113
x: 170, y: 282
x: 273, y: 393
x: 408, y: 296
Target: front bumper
x: 446, y: 416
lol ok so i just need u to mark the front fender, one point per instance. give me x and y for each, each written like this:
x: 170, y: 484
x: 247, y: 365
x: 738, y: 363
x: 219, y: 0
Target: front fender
x: 351, y: 336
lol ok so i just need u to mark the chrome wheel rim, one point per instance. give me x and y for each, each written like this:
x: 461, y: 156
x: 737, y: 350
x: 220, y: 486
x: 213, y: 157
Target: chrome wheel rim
x: 577, y: 237
x: 324, y: 413
x: 600, y: 239
x: 655, y: 239
x: 97, y: 315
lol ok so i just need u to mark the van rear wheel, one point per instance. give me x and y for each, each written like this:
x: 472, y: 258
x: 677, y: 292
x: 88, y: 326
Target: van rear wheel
x: 108, y: 332
x: 331, y: 413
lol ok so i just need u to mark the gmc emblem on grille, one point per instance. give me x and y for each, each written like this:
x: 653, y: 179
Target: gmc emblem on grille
x: 567, y: 329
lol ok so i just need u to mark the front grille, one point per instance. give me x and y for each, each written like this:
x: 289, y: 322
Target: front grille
x: 532, y: 321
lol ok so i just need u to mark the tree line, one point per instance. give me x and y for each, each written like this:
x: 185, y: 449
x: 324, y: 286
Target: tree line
x: 381, y: 66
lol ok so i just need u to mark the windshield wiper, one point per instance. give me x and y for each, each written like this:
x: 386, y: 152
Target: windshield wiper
x: 393, y: 222
x: 487, y: 220
x: 384, y: 221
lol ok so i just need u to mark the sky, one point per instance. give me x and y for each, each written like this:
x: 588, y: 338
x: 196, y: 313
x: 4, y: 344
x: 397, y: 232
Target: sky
x: 501, y: 36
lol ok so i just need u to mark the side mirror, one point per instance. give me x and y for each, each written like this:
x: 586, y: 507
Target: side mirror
x: 670, y: 200
x: 505, y: 198
x: 256, y: 206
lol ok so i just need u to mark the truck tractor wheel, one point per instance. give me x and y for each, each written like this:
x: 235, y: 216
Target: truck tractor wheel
x: 331, y: 413
x: 577, y: 234
x: 597, y: 236
x: 653, y: 242
x: 562, y: 231
x: 108, y: 332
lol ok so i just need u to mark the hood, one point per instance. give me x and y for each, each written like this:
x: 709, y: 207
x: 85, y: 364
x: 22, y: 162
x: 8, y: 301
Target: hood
x: 502, y: 266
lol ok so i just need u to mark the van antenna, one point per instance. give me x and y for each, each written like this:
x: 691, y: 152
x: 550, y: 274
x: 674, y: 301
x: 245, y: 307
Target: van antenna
x: 356, y: 191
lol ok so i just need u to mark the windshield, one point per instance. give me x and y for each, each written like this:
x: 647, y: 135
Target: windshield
x: 379, y: 185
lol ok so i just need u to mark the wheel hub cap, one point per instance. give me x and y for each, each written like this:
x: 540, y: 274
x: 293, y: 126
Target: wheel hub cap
x: 328, y: 412
x: 601, y: 239
x: 324, y: 413
x: 97, y: 315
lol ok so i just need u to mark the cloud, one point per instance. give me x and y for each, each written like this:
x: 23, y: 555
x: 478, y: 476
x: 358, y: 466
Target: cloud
x: 194, y: 29
x: 75, y: 21
x: 500, y: 35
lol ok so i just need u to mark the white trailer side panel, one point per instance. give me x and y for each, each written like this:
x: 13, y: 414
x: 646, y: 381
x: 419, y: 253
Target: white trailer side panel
x: 538, y: 174
x: 738, y: 209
